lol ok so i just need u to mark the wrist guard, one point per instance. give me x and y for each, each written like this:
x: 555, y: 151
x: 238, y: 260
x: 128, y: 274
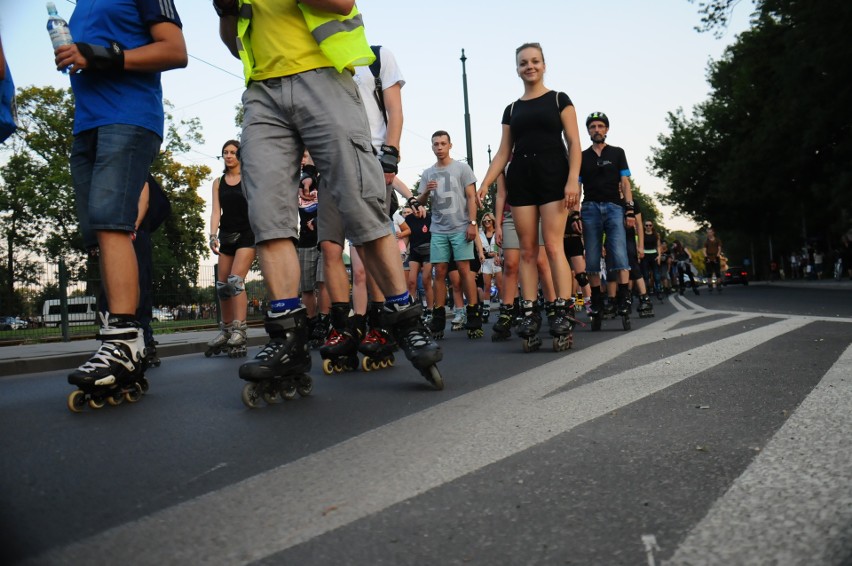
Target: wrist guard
x: 389, y: 159
x: 630, y: 213
x: 222, y: 11
x: 99, y: 58
x: 309, y: 172
x: 413, y: 204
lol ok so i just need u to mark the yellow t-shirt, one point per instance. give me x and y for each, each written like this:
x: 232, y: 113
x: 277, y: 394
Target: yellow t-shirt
x: 280, y: 41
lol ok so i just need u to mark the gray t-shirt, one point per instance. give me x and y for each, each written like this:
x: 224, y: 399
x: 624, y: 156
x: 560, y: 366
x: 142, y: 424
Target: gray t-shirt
x: 449, y: 205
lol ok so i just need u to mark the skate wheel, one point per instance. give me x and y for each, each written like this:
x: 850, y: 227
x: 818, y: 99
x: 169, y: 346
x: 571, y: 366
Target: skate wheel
x: 391, y: 360
x: 327, y: 367
x: 116, y: 398
x: 596, y: 324
x: 76, y: 401
x: 208, y: 353
x: 96, y: 403
x: 135, y: 393
x: 288, y: 391
x: 251, y: 396
x: 384, y: 364
x: 305, y: 385
x: 433, y: 376
x: 143, y: 383
x: 366, y: 364
x: 271, y: 395
x: 625, y: 322
x: 528, y: 347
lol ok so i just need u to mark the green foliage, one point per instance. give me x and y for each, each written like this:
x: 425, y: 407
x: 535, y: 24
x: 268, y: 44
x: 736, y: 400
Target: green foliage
x: 765, y: 157
x: 38, y: 212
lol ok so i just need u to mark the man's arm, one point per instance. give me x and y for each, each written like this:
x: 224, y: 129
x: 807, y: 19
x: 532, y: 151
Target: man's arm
x: 470, y: 195
x: 392, y: 97
x: 166, y: 51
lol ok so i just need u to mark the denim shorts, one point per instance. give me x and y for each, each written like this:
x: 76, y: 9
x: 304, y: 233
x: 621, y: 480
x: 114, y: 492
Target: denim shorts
x: 109, y: 167
x: 601, y: 218
x: 445, y: 247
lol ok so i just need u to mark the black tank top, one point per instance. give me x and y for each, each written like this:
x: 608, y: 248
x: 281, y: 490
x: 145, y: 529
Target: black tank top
x: 234, y: 208
x: 651, y: 243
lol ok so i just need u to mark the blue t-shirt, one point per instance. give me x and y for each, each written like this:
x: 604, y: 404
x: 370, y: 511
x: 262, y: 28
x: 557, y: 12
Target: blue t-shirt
x: 122, y: 97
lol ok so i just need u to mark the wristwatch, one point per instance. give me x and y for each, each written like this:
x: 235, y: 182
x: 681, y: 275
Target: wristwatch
x: 473, y: 222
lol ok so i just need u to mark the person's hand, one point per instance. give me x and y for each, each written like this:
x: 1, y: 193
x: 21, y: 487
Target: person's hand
x: 572, y: 194
x: 471, y: 233
x: 311, y: 224
x: 480, y: 196
x: 214, y: 244
x: 305, y: 188
x: 431, y: 185
x: 498, y: 235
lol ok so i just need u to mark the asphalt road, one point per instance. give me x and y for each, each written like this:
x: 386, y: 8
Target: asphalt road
x: 718, y: 432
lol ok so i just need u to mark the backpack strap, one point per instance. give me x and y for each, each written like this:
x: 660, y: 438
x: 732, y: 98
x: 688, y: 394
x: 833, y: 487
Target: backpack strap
x: 379, y: 92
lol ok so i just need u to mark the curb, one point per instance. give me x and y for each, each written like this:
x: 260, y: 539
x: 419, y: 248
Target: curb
x: 69, y: 361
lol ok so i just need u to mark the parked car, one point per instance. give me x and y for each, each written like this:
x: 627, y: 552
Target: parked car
x: 735, y: 275
x: 12, y: 323
x: 158, y: 315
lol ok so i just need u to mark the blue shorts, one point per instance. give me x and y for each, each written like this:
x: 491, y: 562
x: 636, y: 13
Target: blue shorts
x: 109, y: 167
x: 601, y: 218
x: 445, y: 247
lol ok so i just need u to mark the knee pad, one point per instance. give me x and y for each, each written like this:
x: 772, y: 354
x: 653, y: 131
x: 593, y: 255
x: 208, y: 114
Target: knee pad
x: 582, y: 279
x: 236, y: 284
x: 223, y: 290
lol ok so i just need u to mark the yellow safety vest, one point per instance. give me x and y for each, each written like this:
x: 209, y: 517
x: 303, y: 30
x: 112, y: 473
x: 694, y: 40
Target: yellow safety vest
x: 341, y: 38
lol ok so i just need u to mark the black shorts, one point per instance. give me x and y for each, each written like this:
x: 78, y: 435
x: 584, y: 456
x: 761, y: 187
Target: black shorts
x: 533, y: 180
x: 418, y: 257
x: 475, y: 265
x: 574, y: 246
x: 229, y: 245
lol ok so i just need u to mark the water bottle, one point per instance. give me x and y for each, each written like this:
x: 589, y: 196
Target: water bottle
x: 57, y: 28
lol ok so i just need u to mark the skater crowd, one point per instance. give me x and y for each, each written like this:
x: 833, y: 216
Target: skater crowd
x: 314, y: 172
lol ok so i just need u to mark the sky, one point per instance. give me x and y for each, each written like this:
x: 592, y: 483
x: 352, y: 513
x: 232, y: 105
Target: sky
x: 635, y: 61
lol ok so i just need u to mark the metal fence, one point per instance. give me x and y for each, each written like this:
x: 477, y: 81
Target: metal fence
x: 56, y: 307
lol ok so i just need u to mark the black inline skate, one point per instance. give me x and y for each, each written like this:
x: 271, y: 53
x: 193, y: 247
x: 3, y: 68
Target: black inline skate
x: 280, y: 369
x: 115, y: 373
x: 561, y: 324
x: 438, y: 323
x: 625, y: 305
x: 219, y: 343
x: 485, y: 311
x: 416, y: 341
x: 502, y: 329
x: 378, y: 345
x: 646, y: 307
x: 319, y: 331
x: 473, y: 322
x: 152, y: 359
x: 340, y: 351
x: 236, y: 343
x: 596, y: 313
x: 529, y: 327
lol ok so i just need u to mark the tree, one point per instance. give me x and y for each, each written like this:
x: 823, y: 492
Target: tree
x: 37, y: 200
x: 764, y: 158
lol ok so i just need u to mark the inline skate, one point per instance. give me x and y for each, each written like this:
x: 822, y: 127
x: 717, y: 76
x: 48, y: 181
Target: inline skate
x: 646, y: 307
x: 319, y: 331
x: 115, y: 373
x: 219, y: 343
x: 280, y: 369
x: 152, y: 360
x: 378, y: 345
x: 416, y: 341
x: 529, y: 327
x: 473, y: 322
x: 625, y: 305
x: 596, y: 309
x: 340, y: 351
x: 561, y: 325
x: 237, y: 341
x: 502, y: 329
x: 485, y: 311
x: 438, y: 322
x: 459, y: 319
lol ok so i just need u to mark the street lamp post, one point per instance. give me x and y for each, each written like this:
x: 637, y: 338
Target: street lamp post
x: 466, y: 114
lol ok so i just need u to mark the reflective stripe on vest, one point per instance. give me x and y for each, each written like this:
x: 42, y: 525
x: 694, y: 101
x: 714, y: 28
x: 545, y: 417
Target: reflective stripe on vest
x: 244, y: 40
x: 340, y: 38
